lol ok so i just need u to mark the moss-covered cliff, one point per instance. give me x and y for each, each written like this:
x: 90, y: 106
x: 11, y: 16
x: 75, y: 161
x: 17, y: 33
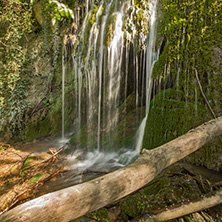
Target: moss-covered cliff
x: 189, y: 36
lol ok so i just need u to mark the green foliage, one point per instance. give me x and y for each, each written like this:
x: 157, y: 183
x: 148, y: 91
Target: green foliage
x: 15, y: 17
x: 58, y: 11
x: 189, y: 31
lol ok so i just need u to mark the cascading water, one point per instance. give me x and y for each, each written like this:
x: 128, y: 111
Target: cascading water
x: 151, y: 57
x: 109, y: 76
x: 63, y: 96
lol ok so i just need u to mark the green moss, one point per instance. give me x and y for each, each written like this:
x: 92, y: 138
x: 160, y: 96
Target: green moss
x: 93, y: 17
x: 131, y: 206
x: 170, y: 116
x: 163, y: 192
x: 156, y: 186
x: 90, y: 21
x: 109, y: 29
x: 41, y: 128
x: 141, y: 4
x: 80, y: 138
x: 100, y: 215
x: 158, y: 68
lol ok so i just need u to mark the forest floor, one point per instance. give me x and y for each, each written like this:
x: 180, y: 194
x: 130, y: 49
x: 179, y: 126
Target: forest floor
x: 22, y: 174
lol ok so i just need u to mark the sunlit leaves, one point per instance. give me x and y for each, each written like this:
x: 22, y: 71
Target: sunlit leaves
x: 59, y: 11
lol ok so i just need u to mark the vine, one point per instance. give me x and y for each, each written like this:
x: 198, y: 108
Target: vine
x: 15, y: 19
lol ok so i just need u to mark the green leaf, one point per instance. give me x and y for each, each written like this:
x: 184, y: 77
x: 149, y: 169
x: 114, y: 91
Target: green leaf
x: 63, y: 13
x: 58, y: 17
x: 27, y: 161
x: 22, y: 173
x: 35, y: 178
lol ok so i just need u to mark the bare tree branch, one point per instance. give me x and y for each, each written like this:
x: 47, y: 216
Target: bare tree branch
x: 202, y: 92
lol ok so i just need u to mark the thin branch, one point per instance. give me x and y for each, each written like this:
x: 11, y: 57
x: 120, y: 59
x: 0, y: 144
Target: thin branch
x: 201, y: 89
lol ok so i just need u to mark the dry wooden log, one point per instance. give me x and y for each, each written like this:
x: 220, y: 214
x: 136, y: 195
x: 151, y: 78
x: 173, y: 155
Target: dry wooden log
x: 183, y: 210
x: 73, y: 202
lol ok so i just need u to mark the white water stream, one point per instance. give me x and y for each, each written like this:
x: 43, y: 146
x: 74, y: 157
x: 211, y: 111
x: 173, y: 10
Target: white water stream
x: 151, y: 58
x: 98, y: 78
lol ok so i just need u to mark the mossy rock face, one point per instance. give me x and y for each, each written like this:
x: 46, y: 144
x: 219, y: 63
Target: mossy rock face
x: 42, y: 128
x: 170, y: 116
x: 110, y: 27
x: 122, y: 136
x: 210, y: 155
x: 168, y: 191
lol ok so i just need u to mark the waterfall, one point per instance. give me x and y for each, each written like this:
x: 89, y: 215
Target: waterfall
x: 63, y: 95
x: 151, y: 57
x: 111, y: 74
x: 100, y: 75
x: 115, y: 53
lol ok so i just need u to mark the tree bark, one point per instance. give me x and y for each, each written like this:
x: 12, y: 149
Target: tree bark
x: 205, y: 203
x: 73, y: 202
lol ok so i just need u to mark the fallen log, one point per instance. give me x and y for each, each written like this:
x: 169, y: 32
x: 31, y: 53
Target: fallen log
x: 73, y: 202
x: 205, y: 203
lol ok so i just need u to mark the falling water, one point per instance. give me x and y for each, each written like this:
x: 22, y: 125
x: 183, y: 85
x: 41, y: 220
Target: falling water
x: 102, y: 86
x: 100, y: 74
x: 87, y: 6
x: 115, y: 51
x: 63, y: 95
x: 151, y: 58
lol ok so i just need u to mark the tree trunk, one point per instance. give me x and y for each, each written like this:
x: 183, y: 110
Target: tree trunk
x: 73, y: 202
